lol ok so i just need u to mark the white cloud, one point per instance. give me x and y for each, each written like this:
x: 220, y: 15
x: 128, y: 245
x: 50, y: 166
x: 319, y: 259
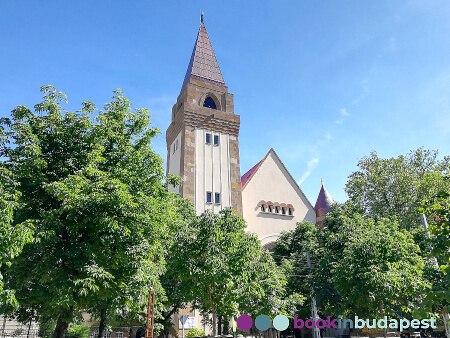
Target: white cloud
x: 343, y: 113
x: 312, y: 164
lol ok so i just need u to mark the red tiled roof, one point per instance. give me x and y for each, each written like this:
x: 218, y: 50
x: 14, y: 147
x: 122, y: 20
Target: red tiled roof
x: 248, y: 174
x: 203, y: 63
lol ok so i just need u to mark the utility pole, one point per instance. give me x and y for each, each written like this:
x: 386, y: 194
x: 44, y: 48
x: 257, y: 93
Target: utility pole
x: 446, y: 315
x: 150, y: 312
x: 316, y: 331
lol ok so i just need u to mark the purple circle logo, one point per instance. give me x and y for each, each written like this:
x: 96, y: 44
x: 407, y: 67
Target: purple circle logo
x: 244, y: 322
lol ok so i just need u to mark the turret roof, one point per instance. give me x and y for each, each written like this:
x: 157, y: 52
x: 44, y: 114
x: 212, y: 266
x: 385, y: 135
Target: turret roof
x: 324, y: 202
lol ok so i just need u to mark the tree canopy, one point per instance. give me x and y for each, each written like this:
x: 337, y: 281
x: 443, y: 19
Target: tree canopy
x: 223, y: 270
x: 93, y: 191
x: 387, y: 187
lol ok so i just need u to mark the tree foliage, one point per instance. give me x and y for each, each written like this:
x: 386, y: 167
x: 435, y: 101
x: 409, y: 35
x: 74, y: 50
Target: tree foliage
x: 94, y: 192
x: 396, y: 186
x: 374, y: 265
x: 360, y: 266
x: 223, y: 270
x: 438, y: 211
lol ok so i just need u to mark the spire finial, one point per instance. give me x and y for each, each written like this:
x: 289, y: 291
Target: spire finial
x: 201, y: 17
x: 321, y: 181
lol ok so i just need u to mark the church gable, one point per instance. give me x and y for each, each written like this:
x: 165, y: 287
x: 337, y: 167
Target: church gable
x: 272, y: 200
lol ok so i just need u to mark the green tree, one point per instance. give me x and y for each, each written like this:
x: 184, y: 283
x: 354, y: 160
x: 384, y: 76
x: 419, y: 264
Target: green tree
x: 12, y: 238
x: 223, y: 270
x: 397, y: 186
x: 374, y: 265
x: 95, y: 193
x: 290, y: 254
x: 437, y: 211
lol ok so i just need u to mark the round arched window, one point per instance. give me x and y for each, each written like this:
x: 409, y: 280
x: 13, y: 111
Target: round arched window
x: 209, y: 103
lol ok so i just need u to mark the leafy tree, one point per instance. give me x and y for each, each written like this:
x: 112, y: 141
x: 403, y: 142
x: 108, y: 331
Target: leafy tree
x: 12, y: 238
x: 94, y: 191
x: 78, y: 331
x: 397, y: 186
x: 438, y: 212
x: 223, y: 270
x: 290, y: 254
x: 374, y: 265
x: 195, y: 333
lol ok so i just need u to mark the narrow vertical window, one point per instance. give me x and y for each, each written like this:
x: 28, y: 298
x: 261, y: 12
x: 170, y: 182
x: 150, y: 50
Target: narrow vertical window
x: 283, y: 211
x: 208, y: 138
x: 276, y: 210
x: 262, y: 208
x: 290, y: 211
x: 208, y: 197
x: 270, y: 208
x: 216, y: 140
x: 217, y: 198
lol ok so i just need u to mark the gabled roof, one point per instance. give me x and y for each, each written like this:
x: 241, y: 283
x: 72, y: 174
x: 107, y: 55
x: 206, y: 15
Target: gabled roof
x: 324, y: 202
x: 203, y: 63
x: 246, y: 178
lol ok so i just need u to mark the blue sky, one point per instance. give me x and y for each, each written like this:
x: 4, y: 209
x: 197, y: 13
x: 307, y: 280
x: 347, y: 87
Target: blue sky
x: 322, y: 82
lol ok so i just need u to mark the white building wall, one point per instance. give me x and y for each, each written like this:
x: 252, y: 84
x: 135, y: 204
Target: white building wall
x: 212, y: 171
x: 272, y: 182
x: 174, y: 160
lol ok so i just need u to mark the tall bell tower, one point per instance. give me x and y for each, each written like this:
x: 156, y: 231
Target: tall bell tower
x: 203, y: 137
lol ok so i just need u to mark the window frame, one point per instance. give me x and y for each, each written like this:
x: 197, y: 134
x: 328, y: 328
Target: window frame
x: 216, y: 137
x: 217, y: 198
x: 209, y: 194
x: 208, y: 138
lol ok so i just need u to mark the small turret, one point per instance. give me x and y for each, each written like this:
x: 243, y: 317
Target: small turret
x: 323, y: 204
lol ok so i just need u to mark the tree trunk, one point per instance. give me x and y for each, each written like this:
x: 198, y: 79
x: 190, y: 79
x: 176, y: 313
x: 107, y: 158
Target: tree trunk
x: 60, y: 329
x: 102, y: 325
x: 214, y: 314
x: 220, y: 325
x: 447, y: 325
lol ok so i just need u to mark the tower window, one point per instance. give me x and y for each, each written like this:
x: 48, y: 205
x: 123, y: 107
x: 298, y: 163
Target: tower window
x: 208, y: 197
x: 216, y: 140
x: 208, y: 138
x: 217, y: 198
x: 209, y: 103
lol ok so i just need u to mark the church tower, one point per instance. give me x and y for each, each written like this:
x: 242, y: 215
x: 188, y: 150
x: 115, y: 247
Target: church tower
x: 203, y: 137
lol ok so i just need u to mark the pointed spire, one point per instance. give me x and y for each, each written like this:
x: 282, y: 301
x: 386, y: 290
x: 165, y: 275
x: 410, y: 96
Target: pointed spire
x: 323, y: 204
x: 203, y: 64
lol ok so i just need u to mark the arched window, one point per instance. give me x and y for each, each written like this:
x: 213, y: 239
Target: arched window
x: 290, y: 211
x: 276, y: 210
x: 209, y: 103
x: 283, y: 210
x: 262, y: 208
x: 270, y: 208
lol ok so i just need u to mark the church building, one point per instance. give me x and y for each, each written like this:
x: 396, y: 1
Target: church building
x: 203, y: 148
